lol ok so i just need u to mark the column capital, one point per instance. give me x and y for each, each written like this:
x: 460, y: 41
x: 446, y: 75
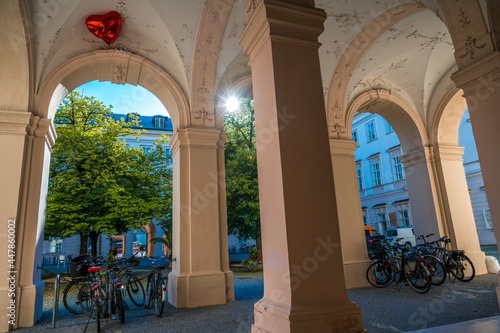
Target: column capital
x: 343, y: 147
x: 195, y: 137
x: 416, y: 157
x: 448, y: 153
x: 478, y: 74
x: 280, y: 20
x: 14, y: 122
x: 222, y: 139
x: 42, y: 128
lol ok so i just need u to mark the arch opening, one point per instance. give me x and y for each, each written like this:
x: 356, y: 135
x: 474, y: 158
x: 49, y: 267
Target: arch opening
x: 115, y: 67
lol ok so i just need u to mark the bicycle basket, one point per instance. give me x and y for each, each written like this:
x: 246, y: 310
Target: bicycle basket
x: 74, y: 271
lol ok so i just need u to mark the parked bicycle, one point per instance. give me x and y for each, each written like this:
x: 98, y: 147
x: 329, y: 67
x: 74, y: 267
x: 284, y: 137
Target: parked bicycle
x: 397, y: 264
x: 455, y: 262
x: 79, y: 277
x: 92, y: 297
x: 156, y: 287
x: 133, y: 284
x: 435, y: 266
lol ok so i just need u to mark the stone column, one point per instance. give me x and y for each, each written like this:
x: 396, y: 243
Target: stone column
x: 352, y: 233
x: 197, y: 276
x: 423, y: 193
x: 456, y: 204
x: 31, y: 219
x: 224, y: 250
x: 480, y: 82
x: 12, y: 139
x: 304, y: 284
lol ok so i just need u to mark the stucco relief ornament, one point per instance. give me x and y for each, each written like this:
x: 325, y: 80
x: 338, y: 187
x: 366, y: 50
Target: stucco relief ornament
x: 470, y: 42
x: 203, y: 115
x: 337, y: 129
x: 106, y: 27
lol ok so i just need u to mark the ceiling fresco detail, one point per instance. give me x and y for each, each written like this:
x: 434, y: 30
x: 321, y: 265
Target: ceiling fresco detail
x: 408, y: 52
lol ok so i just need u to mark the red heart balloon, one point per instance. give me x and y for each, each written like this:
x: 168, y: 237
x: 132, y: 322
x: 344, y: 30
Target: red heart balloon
x: 107, y: 26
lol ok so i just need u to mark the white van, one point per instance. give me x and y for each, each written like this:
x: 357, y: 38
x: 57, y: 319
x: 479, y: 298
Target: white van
x: 407, y: 236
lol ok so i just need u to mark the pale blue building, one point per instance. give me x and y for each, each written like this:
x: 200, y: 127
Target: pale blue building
x: 381, y: 176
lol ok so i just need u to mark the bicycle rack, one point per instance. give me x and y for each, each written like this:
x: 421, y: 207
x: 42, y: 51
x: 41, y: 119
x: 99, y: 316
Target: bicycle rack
x: 56, y: 299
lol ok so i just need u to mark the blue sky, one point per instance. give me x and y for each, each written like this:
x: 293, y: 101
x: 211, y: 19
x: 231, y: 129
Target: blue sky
x: 124, y: 98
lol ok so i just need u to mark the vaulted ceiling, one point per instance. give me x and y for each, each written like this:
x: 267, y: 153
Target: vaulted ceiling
x: 413, y: 58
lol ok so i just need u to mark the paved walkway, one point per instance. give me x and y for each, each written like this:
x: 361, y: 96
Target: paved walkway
x: 485, y: 325
x: 385, y: 310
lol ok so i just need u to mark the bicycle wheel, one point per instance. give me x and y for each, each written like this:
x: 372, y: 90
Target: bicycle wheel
x: 158, y: 296
x: 379, y: 274
x: 417, y: 276
x: 119, y: 305
x: 149, y: 291
x: 86, y: 299
x: 135, y: 291
x: 436, y: 269
x: 462, y: 268
x: 70, y: 296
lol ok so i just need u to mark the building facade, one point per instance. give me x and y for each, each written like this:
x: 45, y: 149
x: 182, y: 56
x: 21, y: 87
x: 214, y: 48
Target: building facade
x: 382, y: 182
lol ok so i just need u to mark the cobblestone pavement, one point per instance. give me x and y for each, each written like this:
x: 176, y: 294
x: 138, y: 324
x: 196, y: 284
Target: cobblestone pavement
x: 385, y: 310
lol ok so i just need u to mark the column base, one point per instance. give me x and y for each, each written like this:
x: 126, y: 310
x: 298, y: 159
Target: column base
x: 31, y: 309
x: 355, y: 274
x: 189, y: 291
x: 498, y: 288
x: 479, y: 261
x: 229, y: 286
x: 269, y: 318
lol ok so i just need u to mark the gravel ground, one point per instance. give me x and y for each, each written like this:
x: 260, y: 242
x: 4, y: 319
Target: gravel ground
x: 392, y: 309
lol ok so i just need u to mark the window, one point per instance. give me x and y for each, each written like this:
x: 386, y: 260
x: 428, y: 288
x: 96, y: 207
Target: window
x: 388, y: 128
x: 381, y: 217
x: 159, y: 122
x: 355, y: 136
x: 487, y: 219
x: 147, y: 150
x: 359, y: 172
x: 397, y: 169
x: 382, y: 222
x: 365, y: 216
x: 391, y: 233
x: 371, y: 134
x: 376, y: 175
x: 404, y: 218
x: 55, y: 245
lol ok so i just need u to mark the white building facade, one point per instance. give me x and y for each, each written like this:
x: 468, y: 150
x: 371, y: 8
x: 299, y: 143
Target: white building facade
x: 382, y: 180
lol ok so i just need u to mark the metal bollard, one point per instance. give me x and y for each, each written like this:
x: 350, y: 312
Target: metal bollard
x: 56, y: 299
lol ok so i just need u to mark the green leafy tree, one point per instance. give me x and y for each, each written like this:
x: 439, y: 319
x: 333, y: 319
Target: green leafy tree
x: 97, y: 184
x: 242, y: 186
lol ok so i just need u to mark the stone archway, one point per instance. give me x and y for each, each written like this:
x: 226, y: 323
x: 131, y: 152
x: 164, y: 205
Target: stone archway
x: 123, y: 67
x: 16, y: 85
x: 478, y: 61
x: 117, y: 67
x: 151, y: 233
x: 457, y: 211
x: 421, y: 180
x: 337, y: 92
x: 401, y: 116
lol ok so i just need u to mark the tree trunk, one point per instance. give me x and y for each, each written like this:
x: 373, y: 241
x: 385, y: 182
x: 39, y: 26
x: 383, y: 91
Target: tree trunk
x: 94, y: 236
x: 258, y: 237
x: 83, y: 243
